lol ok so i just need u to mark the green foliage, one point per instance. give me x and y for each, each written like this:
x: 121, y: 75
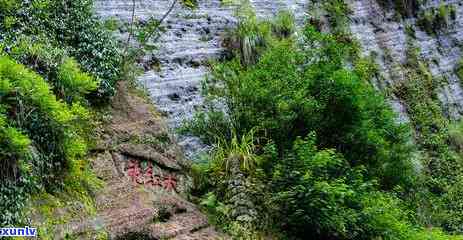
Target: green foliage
x: 242, y: 149
x: 356, y: 175
x: 72, y: 82
x: 283, y: 26
x: 288, y: 101
x: 218, y: 209
x: 407, y: 8
x: 65, y: 59
x: 331, y: 200
x: 250, y: 36
x: 456, y: 135
x: 220, y: 215
x: 386, y: 219
x: 112, y: 24
x: 208, y: 126
x: 291, y: 91
x: 63, y: 72
x: 46, y: 31
x: 438, y: 140
x: 51, y: 139
x: 452, y: 200
x: 14, y: 144
x: 190, y: 3
x: 366, y: 68
x: 317, y: 186
x: 435, y: 19
x: 338, y: 12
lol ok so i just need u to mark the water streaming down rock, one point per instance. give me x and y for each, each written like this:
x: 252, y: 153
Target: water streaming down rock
x: 193, y: 37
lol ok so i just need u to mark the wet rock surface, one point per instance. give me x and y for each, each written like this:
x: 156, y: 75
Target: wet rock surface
x: 193, y: 38
x: 381, y: 32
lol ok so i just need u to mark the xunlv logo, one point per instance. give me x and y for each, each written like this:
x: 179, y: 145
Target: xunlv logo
x: 18, y: 232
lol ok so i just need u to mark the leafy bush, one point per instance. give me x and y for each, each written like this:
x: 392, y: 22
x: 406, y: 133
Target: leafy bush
x: 65, y: 60
x: 69, y: 26
x: 434, y: 19
x: 321, y: 196
x: 42, y: 137
x: 356, y: 175
x: 311, y: 189
x: 72, y: 82
x: 407, y: 8
x: 338, y: 15
x: 438, y: 141
x: 287, y: 101
x: 249, y: 37
x: 283, y: 26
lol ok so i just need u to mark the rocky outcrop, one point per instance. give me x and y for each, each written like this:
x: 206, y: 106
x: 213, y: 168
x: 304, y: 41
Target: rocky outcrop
x: 381, y: 32
x: 145, y: 176
x: 144, y: 180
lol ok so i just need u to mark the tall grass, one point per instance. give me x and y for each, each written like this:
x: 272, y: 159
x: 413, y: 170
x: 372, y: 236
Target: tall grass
x: 240, y: 151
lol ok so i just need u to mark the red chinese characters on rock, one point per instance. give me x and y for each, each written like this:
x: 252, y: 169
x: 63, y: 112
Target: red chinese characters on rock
x: 170, y: 183
x: 148, y: 178
x: 134, y: 172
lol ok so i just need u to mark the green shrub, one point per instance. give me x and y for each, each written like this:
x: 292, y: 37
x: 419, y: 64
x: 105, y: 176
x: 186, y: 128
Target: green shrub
x: 315, y: 184
x: 44, y: 126
x: 338, y: 18
x: 51, y: 138
x: 242, y: 149
x: 69, y: 26
x: 14, y: 144
x: 290, y: 92
x: 283, y: 26
x: 288, y: 101
x: 453, y: 207
x: 357, y: 175
x: 456, y: 135
x: 250, y: 37
x: 434, y: 19
x: 366, y: 68
x: 73, y: 83
x: 407, y: 8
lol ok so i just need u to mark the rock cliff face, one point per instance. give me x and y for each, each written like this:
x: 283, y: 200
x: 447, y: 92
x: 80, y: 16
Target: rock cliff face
x: 143, y: 183
x: 194, y: 36
x: 378, y: 31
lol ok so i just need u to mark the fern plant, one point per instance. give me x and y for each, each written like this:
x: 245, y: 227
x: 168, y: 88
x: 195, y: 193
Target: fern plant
x: 43, y: 139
